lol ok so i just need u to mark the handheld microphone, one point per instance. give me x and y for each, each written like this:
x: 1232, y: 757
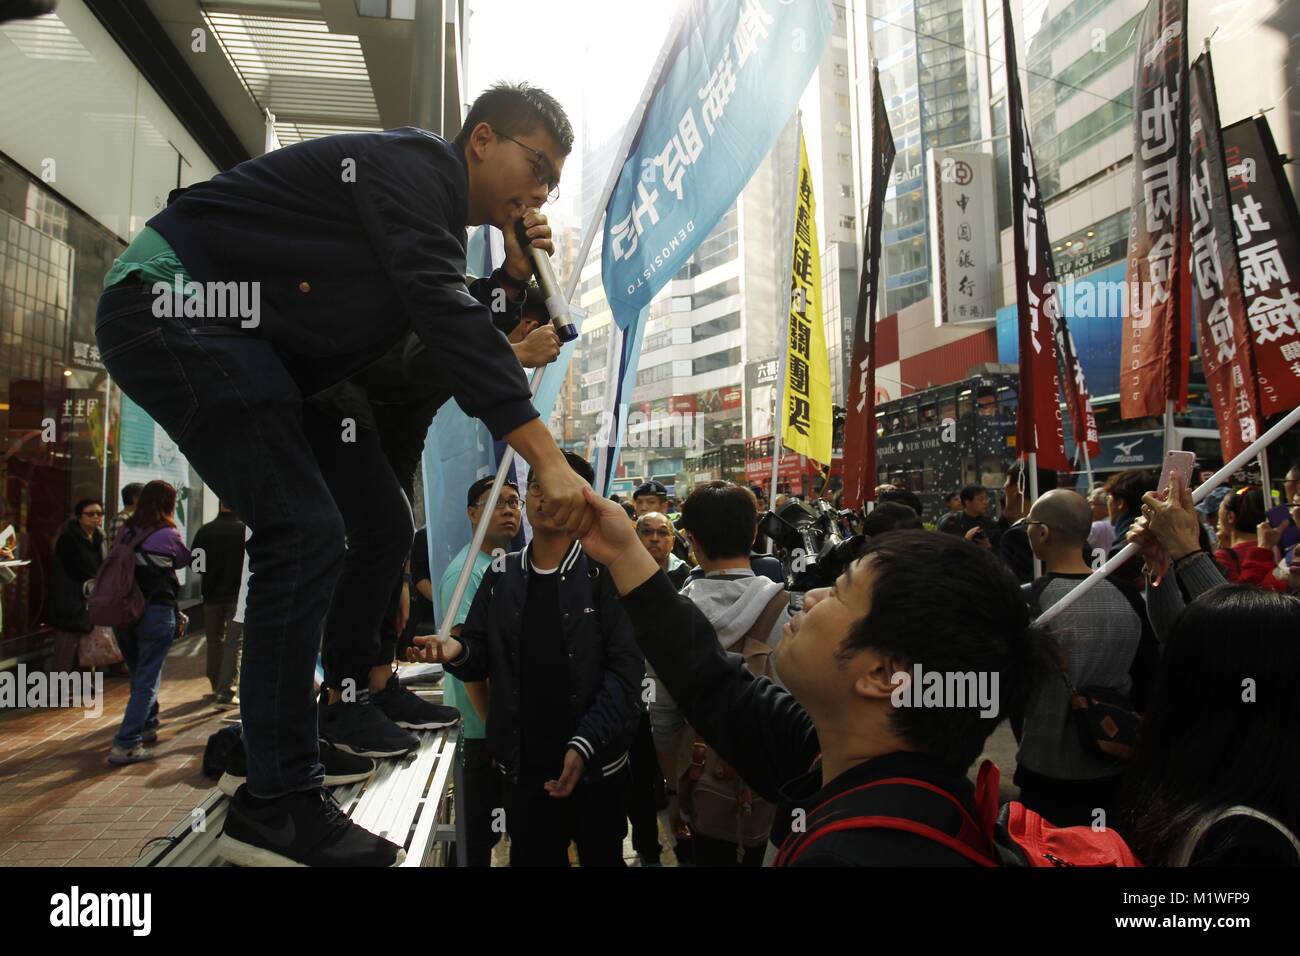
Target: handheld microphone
x: 556, y: 305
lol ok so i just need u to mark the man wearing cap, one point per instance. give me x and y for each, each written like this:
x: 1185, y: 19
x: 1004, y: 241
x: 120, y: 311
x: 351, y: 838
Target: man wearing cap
x: 650, y: 496
x: 548, y: 631
x: 1208, y: 514
x: 479, y: 779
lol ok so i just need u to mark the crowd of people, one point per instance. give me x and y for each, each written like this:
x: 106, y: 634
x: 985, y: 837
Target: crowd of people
x: 146, y: 532
x: 623, y: 661
x: 738, y: 709
x: 597, y: 691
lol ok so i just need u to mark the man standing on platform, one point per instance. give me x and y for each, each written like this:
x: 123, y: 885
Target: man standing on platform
x: 279, y: 278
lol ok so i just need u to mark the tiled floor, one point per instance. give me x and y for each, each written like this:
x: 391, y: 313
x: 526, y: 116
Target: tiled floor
x: 61, y: 803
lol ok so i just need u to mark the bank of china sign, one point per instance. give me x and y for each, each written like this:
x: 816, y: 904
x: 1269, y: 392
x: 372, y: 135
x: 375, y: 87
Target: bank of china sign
x: 963, y: 243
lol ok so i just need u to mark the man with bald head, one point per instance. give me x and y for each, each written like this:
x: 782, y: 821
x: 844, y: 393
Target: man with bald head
x: 657, y: 533
x: 1099, y: 636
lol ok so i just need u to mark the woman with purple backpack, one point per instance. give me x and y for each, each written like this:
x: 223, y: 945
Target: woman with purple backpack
x: 159, y: 550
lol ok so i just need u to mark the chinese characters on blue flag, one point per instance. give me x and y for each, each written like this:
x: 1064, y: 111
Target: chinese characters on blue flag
x: 729, y: 83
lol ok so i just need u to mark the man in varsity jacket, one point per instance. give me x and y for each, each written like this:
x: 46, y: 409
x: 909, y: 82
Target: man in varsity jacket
x: 549, y: 635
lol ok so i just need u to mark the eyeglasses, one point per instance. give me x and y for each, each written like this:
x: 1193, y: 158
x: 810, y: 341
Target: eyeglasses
x: 506, y: 504
x: 93, y: 514
x: 542, y: 168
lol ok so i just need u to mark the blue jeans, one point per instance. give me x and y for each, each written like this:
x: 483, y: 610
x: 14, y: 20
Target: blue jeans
x: 226, y: 398
x: 129, y: 643
x: 155, y: 632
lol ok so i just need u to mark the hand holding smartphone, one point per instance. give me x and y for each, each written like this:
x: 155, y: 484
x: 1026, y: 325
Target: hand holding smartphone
x: 1180, y: 462
x: 1278, y: 515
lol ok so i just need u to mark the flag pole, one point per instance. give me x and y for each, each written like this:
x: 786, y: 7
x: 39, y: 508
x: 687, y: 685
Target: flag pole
x: 782, y: 345
x: 1265, y: 479
x: 1259, y: 446
x: 503, y: 469
x: 629, y: 136
x: 480, y: 529
x: 1171, y: 433
x: 1033, y: 496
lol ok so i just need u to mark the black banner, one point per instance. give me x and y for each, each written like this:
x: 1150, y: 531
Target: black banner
x: 1157, y: 330
x: 1268, y: 249
x: 1038, y: 307
x: 1223, y: 335
x: 860, y: 400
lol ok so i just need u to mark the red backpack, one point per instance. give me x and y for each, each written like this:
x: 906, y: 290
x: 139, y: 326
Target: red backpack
x: 1019, y: 837
x: 116, y: 600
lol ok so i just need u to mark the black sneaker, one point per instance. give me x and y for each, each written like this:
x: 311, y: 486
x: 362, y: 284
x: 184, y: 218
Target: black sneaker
x: 408, y: 709
x: 340, y: 768
x: 363, y: 729
x: 305, y: 828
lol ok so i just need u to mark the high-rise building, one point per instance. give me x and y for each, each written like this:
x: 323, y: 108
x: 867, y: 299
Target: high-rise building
x: 929, y: 72
x: 942, y: 68
x: 719, y: 312
x: 725, y: 309
x: 827, y: 118
x: 932, y: 60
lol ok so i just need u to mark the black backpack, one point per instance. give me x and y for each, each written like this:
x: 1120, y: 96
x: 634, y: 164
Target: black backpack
x: 216, y: 755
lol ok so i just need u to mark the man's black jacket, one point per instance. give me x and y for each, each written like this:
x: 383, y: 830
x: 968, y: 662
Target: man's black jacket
x: 222, y: 541
x: 605, y: 667
x: 762, y: 731
x: 355, y: 239
x: 384, y: 398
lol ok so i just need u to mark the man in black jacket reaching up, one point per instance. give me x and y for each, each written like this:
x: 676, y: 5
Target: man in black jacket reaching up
x: 862, y: 708
x: 549, y: 635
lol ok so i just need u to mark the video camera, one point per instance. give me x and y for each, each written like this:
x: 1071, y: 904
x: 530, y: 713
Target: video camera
x: 808, y: 542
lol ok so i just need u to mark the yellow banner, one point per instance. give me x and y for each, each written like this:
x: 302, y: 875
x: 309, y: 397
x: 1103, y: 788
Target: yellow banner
x: 806, y: 424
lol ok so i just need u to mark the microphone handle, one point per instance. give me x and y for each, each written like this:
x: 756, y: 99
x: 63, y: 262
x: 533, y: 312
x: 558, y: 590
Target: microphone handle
x: 556, y: 305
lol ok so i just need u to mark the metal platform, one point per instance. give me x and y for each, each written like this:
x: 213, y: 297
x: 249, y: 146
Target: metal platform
x: 406, y: 801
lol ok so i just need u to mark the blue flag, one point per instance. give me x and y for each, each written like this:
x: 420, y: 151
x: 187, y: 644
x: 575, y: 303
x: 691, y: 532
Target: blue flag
x: 730, y: 81
x: 459, y: 449
x: 729, y: 85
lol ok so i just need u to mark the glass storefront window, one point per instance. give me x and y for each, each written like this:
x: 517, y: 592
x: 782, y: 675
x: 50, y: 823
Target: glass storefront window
x: 70, y: 435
